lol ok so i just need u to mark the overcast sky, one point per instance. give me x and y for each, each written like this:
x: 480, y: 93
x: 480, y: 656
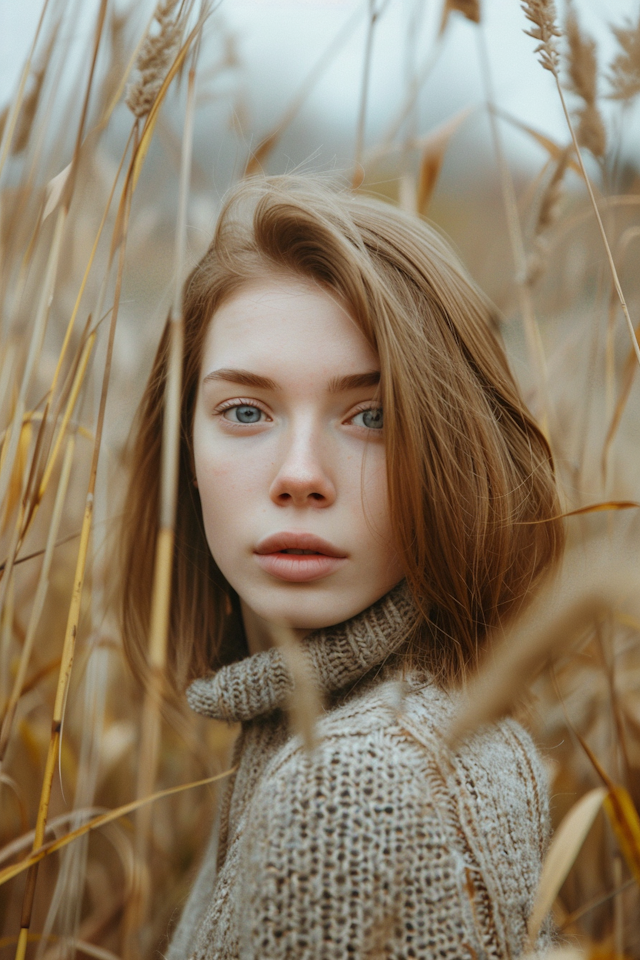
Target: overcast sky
x: 279, y: 40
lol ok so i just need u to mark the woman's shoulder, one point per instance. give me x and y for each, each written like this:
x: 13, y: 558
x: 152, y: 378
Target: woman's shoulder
x: 401, y: 726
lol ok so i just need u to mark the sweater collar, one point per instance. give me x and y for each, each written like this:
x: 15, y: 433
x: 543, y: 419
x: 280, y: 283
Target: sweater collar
x: 338, y: 655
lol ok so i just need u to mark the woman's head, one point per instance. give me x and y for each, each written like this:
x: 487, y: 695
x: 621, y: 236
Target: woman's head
x: 301, y: 288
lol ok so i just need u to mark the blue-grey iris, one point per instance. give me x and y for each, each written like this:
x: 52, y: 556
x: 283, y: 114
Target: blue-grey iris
x: 247, y: 414
x: 373, y: 418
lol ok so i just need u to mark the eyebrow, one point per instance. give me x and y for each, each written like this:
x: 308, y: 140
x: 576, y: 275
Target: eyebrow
x: 246, y: 378
x: 355, y: 381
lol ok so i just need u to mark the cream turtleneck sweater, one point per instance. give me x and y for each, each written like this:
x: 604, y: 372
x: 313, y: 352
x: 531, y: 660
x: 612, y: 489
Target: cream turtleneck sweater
x: 381, y: 844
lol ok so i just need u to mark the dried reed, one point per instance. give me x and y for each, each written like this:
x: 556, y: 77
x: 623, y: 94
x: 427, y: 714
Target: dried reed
x: 543, y: 15
x: 138, y: 903
x: 583, y: 75
x: 156, y: 56
x: 624, y: 75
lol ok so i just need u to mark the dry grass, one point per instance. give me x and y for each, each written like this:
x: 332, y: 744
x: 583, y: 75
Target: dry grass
x: 85, y: 248
x: 583, y: 74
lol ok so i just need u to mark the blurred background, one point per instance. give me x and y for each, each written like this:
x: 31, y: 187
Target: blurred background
x: 440, y: 106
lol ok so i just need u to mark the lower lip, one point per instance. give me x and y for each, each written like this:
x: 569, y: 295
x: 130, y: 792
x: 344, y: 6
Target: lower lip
x: 298, y: 567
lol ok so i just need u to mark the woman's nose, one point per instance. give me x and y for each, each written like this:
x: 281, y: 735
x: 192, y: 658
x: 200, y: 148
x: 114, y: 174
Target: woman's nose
x: 302, y: 478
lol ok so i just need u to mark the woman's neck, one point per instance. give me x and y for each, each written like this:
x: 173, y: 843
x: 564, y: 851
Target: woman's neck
x: 261, y: 634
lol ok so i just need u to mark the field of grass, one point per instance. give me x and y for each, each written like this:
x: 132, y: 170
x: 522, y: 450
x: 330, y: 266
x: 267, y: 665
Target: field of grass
x: 91, y: 265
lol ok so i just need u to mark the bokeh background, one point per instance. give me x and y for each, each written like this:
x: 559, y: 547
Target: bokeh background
x: 460, y: 124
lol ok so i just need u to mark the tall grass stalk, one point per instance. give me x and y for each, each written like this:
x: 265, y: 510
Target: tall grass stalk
x: 542, y: 14
x: 35, y: 348
x: 39, y: 598
x: 160, y: 602
x: 530, y: 324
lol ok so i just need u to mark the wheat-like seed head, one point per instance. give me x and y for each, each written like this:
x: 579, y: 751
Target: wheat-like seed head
x: 155, y: 58
x: 624, y: 74
x: 583, y: 76
x: 542, y: 14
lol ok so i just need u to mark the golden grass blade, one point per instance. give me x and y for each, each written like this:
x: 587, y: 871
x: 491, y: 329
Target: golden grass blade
x: 435, y: 147
x: 42, y: 851
x: 163, y: 570
x: 591, y: 508
x: 14, y: 493
x: 563, y: 850
x: 625, y: 822
x: 35, y: 348
x: 82, y: 946
x: 38, y: 602
x: 71, y: 403
x: 621, y: 812
x: 16, y: 846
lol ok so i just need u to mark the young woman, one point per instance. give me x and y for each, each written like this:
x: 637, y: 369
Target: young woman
x: 356, y: 463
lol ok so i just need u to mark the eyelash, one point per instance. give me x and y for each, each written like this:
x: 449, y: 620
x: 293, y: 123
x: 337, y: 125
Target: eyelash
x: 241, y: 402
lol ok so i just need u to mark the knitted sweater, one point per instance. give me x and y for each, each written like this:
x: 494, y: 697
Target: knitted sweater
x: 380, y: 844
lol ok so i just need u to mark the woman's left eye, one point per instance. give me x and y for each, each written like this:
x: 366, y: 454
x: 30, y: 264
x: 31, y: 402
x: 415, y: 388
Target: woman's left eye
x: 370, y: 418
x: 244, y: 413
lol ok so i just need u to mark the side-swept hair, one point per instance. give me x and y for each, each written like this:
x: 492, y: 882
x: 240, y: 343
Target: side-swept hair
x: 472, y: 492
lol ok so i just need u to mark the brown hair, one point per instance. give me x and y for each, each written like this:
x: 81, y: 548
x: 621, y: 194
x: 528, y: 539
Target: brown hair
x: 473, y: 497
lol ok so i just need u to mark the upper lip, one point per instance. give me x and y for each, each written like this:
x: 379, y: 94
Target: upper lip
x: 298, y: 541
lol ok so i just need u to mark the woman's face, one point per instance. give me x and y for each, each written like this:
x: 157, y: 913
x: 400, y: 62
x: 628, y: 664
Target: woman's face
x: 290, y: 457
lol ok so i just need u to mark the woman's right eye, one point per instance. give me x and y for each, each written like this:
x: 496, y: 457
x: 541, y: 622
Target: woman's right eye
x: 244, y: 413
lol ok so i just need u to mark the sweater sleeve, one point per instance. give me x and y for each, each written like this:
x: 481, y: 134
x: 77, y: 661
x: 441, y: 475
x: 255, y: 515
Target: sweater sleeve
x: 352, y: 853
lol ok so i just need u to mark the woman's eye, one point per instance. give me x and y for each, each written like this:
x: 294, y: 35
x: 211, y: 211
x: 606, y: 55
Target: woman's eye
x: 371, y: 418
x: 244, y: 413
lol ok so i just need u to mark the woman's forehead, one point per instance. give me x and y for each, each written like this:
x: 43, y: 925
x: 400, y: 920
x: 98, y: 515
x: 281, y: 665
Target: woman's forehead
x: 283, y: 321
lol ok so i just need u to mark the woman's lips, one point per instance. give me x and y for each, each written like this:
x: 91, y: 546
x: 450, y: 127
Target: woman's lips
x: 320, y: 558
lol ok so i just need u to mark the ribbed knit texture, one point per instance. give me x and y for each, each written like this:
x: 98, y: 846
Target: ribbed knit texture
x: 381, y: 844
